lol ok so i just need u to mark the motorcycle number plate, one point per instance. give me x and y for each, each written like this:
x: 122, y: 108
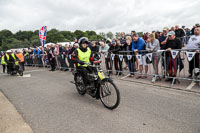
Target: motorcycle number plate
x: 101, y: 75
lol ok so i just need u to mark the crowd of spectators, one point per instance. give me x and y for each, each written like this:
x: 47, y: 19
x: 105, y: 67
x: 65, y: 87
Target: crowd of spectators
x: 60, y: 57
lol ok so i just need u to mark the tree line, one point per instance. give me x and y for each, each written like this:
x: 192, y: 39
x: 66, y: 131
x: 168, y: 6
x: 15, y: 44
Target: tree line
x: 25, y: 39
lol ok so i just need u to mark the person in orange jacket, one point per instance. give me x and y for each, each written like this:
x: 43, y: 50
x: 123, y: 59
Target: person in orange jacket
x: 21, y: 59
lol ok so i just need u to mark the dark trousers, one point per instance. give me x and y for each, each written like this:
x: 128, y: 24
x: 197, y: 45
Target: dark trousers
x: 4, y: 68
x: 108, y: 64
x: 194, y: 63
x: 53, y: 63
x: 71, y: 63
x: 83, y: 71
x: 118, y: 64
x: 9, y: 68
x: 131, y: 66
x: 172, y: 66
x: 64, y: 65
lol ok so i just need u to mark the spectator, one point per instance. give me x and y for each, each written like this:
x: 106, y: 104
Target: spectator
x: 145, y: 37
x: 123, y: 43
x: 94, y: 47
x: 132, y: 32
x: 172, y: 65
x: 109, y: 42
x: 35, y: 56
x: 163, y: 38
x: 157, y: 35
x: 66, y: 51
x: 188, y: 33
x: 51, y: 57
x: 192, y: 31
x: 137, y: 45
x: 56, y: 53
x: 180, y: 34
x: 123, y: 39
x: 194, y: 43
x: 104, y: 50
x: 131, y: 64
x: 120, y: 52
x: 114, y: 49
x: 153, y: 45
x: 75, y: 40
x: 72, y: 48
x: 62, y: 57
x: 103, y: 47
x: 172, y: 29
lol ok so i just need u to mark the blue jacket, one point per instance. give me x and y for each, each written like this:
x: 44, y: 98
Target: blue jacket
x: 36, y: 52
x: 161, y: 39
x: 139, y: 45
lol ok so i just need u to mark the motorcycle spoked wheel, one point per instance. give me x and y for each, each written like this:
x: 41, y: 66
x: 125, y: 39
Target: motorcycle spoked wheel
x: 80, y: 86
x: 109, y: 94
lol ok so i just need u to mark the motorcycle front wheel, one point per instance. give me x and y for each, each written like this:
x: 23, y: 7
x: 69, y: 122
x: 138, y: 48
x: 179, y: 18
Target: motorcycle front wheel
x: 80, y: 86
x: 109, y: 94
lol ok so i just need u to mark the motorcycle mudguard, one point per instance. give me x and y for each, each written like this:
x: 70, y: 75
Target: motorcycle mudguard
x: 101, y: 75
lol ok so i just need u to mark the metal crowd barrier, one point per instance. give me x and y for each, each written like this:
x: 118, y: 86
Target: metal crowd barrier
x: 178, y: 63
x: 62, y: 61
x: 159, y: 63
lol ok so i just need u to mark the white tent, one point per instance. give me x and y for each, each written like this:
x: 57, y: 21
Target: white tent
x: 62, y: 43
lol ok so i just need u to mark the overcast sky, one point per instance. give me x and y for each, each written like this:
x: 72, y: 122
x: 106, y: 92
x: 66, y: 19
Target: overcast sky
x: 98, y: 15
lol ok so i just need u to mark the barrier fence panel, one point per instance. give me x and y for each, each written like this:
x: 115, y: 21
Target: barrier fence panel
x: 174, y: 65
x: 184, y: 64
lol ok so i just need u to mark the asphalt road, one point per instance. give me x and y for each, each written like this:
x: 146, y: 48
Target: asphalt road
x: 49, y: 103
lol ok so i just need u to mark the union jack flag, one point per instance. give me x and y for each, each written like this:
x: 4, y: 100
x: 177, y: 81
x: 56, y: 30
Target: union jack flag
x: 42, y: 35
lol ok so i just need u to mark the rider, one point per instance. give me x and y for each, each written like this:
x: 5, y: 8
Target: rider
x: 10, y: 59
x: 83, y: 56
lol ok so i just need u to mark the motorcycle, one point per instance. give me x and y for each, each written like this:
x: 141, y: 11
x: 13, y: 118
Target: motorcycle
x: 16, y: 68
x: 103, y: 87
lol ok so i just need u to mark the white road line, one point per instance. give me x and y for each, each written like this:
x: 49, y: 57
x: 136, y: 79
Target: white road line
x: 25, y: 76
x: 125, y: 76
x: 4, y: 74
x: 34, y: 71
x: 190, y: 86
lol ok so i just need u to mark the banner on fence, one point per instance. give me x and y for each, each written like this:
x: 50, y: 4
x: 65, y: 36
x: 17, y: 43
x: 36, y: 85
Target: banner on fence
x: 129, y: 57
x: 149, y: 56
x: 120, y: 57
x: 112, y: 56
x: 139, y: 57
x: 174, y: 53
x: 106, y: 54
x: 190, y: 55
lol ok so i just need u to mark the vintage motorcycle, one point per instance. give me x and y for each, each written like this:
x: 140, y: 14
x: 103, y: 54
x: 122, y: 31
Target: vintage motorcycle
x: 16, y: 68
x: 103, y: 88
